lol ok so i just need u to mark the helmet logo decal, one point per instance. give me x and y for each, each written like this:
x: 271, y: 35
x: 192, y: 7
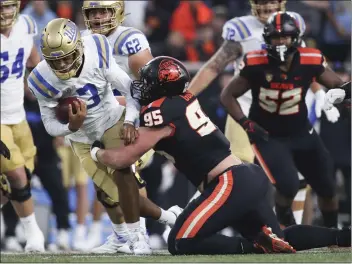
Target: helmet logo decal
x: 169, y: 71
x: 71, y: 31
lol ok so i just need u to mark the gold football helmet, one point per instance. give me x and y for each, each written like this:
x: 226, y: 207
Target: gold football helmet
x: 8, y: 18
x: 104, y: 26
x: 262, y: 9
x: 62, y: 47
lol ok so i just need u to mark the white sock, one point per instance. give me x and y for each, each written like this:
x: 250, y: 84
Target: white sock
x: 95, y: 227
x: 120, y: 228
x: 142, y: 223
x: 29, y: 222
x: 134, y: 230
x: 167, y: 217
x: 80, y: 230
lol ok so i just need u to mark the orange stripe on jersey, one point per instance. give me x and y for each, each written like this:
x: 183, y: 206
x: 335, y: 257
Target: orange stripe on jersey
x: 263, y: 164
x: 207, y: 208
x: 155, y: 104
x: 278, y: 22
x: 308, y: 50
x: 257, y: 60
x: 311, y: 60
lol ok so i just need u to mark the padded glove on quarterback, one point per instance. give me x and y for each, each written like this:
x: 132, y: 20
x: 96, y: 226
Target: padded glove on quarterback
x: 4, y: 150
x: 255, y: 132
x: 94, y: 149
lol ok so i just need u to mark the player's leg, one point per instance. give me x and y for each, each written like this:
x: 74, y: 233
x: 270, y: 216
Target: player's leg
x: 239, y: 142
x: 128, y: 195
x: 277, y: 162
x: 18, y: 138
x: 10, y: 242
x: 107, y: 194
x: 314, y: 162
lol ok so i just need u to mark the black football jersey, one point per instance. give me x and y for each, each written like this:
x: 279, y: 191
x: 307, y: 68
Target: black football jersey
x: 279, y: 97
x: 196, y: 145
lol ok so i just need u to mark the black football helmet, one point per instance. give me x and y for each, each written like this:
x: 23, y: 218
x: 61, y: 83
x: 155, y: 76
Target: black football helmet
x: 281, y: 24
x: 162, y: 76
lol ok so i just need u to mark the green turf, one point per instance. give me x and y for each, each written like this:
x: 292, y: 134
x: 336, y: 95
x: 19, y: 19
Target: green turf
x: 329, y: 255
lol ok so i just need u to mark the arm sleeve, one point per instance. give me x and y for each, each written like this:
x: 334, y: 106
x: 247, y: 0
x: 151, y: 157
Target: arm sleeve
x: 51, y: 124
x: 122, y: 82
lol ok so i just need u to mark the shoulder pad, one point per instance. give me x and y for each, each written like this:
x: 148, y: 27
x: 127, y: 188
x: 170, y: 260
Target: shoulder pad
x: 236, y: 29
x: 129, y: 42
x: 258, y: 57
x: 31, y: 26
x: 310, y: 56
x: 85, y: 32
x: 103, y: 47
x: 39, y: 85
x: 300, y: 22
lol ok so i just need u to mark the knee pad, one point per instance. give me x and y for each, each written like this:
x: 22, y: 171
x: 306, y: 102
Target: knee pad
x: 105, y: 200
x: 21, y: 194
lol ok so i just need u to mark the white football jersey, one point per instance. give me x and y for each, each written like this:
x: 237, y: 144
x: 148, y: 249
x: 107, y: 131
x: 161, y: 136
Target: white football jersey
x: 15, y: 50
x: 93, y: 86
x: 248, y: 31
x: 125, y: 41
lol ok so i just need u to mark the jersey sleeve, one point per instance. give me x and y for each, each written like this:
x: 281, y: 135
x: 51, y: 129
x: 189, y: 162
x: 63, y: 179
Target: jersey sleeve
x: 236, y: 30
x: 314, y: 59
x: 30, y: 26
x: 251, y: 62
x: 42, y: 89
x: 130, y: 42
x: 162, y: 112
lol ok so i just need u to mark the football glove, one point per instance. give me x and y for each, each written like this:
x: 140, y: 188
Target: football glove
x: 94, y: 149
x: 333, y: 96
x: 4, y: 150
x: 332, y: 114
x: 255, y: 132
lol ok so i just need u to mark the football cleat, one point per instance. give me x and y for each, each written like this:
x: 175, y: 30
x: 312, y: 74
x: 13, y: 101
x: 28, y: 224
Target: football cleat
x: 114, y: 244
x: 268, y: 242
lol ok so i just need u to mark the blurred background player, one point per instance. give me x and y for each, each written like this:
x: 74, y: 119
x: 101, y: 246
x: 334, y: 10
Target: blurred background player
x: 17, y: 54
x: 242, y: 35
x: 131, y: 51
x: 68, y: 64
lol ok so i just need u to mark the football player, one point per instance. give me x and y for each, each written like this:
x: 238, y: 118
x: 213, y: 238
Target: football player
x: 85, y: 68
x: 232, y: 193
x: 242, y: 35
x: 17, y: 54
x: 277, y: 125
x: 131, y: 51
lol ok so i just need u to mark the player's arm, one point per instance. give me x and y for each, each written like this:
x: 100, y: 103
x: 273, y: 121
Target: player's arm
x: 229, y: 51
x: 138, y: 60
x: 33, y: 59
x: 123, y: 157
x: 228, y: 97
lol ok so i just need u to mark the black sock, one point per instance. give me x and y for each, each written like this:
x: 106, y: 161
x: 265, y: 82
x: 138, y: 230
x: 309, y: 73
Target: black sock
x: 344, y: 237
x: 303, y: 237
x: 330, y: 218
x: 285, y: 215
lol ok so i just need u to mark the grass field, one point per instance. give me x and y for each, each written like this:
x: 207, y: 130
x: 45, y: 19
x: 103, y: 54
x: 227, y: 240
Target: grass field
x: 322, y: 255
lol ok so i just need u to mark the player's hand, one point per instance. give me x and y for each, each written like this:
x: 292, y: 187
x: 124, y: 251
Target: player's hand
x: 129, y: 133
x: 255, y: 132
x: 4, y: 150
x: 97, y: 145
x: 333, y: 96
x: 76, y: 119
x: 332, y: 115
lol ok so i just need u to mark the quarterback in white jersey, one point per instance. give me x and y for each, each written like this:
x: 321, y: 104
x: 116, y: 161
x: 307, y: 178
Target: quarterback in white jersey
x: 85, y: 68
x: 17, y: 54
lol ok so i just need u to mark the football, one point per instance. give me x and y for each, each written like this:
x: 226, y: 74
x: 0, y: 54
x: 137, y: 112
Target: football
x: 61, y: 110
